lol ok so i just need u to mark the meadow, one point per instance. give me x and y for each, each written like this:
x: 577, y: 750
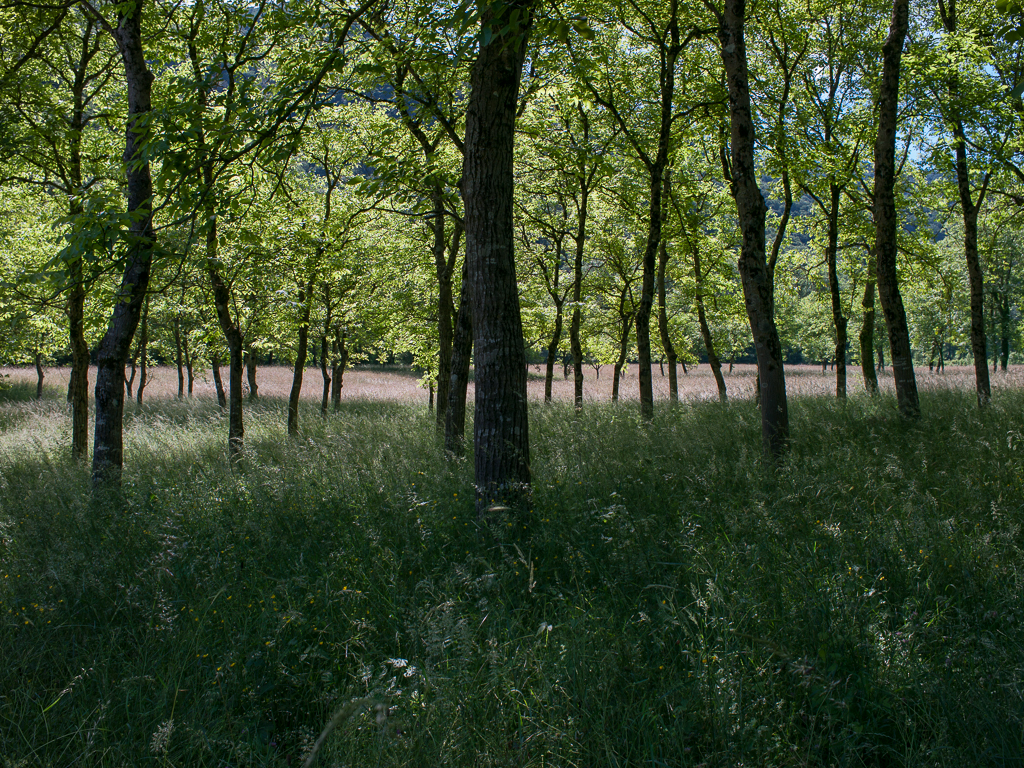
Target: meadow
x: 677, y: 602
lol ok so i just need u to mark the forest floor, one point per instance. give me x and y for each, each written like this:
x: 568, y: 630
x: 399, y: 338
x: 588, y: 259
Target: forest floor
x: 674, y: 601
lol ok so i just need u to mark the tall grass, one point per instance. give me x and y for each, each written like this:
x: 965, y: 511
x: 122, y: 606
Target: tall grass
x: 677, y: 603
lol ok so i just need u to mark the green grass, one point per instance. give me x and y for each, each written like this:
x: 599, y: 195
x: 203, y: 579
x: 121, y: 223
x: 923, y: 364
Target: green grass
x: 678, y: 604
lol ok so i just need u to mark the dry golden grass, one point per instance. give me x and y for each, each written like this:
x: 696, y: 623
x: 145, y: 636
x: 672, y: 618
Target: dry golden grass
x: 374, y: 383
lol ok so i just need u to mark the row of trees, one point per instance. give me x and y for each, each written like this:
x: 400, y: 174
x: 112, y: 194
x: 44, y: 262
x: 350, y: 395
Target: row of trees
x: 220, y: 181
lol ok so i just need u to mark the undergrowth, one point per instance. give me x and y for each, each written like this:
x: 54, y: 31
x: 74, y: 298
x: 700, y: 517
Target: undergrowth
x: 677, y: 602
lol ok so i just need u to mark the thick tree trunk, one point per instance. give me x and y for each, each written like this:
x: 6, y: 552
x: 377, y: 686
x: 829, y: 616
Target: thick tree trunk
x: 838, y: 320
x: 666, y: 341
x: 758, y: 291
x: 306, y: 302
x: 143, y: 353
x: 326, y: 374
x: 501, y: 429
x: 886, y: 222
x: 462, y: 351
x: 108, y: 444
x: 218, y: 383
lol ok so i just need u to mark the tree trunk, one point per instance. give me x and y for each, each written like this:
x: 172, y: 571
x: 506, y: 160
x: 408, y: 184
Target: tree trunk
x: 462, y: 351
x: 838, y: 320
x: 758, y: 291
x: 143, y: 353
x: 326, y: 374
x: 575, y: 344
x: 627, y: 321
x: 130, y: 380
x: 338, y: 362
x: 556, y: 337
x: 886, y: 222
x: 250, y: 374
x: 1004, y: 332
x: 501, y: 429
x: 666, y: 341
x: 178, y: 360
x: 218, y: 383
x: 867, y: 333
x: 108, y: 444
x: 78, y: 387
x: 188, y: 363
x: 444, y: 268
x: 39, y: 375
x: 306, y: 302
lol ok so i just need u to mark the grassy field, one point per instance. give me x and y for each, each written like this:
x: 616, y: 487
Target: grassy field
x: 678, y: 603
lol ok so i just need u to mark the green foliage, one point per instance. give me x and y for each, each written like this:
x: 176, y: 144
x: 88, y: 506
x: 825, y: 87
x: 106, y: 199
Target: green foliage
x: 678, y: 603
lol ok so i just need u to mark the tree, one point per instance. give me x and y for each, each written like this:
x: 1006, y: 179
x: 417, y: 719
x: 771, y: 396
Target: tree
x: 758, y: 291
x: 501, y: 430
x: 886, y: 221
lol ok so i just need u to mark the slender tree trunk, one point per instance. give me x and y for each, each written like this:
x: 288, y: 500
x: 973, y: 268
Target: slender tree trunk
x: 445, y: 331
x: 108, y: 444
x: 462, y: 351
x: 709, y: 346
x: 129, y: 381
x: 666, y: 341
x: 178, y: 360
x: 867, y: 333
x: 758, y: 291
x: 627, y: 321
x: 39, y: 375
x: 188, y: 363
x: 326, y: 374
x: 143, y: 353
x: 1004, y: 327
x: 970, y: 210
x: 575, y: 343
x: 306, y: 302
x: 78, y: 387
x: 339, y: 361
x: 501, y: 430
x: 886, y: 222
x: 839, y: 321
x: 556, y: 337
x: 218, y: 383
x: 250, y: 374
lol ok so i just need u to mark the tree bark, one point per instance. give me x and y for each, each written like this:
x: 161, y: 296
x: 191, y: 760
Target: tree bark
x: 462, y: 351
x: 143, y: 353
x: 705, y: 329
x: 338, y: 362
x: 218, y: 383
x: 838, y: 319
x: 326, y: 374
x: 108, y: 444
x: 556, y: 337
x: 666, y: 341
x: 78, y: 387
x: 250, y: 374
x: 306, y: 302
x: 178, y: 359
x: 758, y: 291
x: 867, y: 333
x: 886, y: 222
x: 501, y: 429
x: 39, y: 375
